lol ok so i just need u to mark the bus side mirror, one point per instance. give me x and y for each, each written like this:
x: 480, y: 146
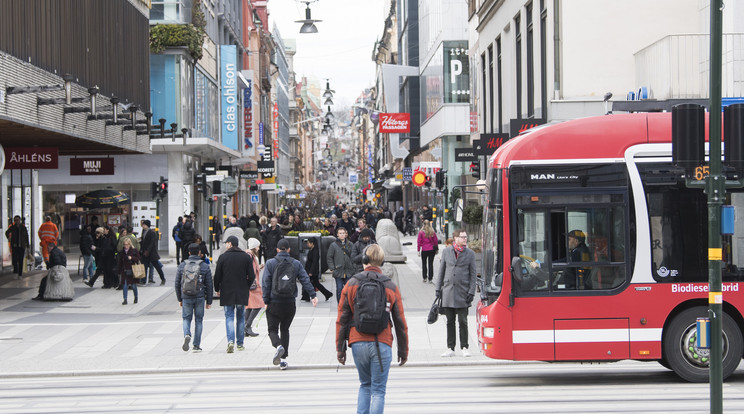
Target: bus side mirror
x: 458, y: 209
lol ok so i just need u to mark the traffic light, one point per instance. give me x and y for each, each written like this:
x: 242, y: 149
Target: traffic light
x: 162, y: 187
x: 428, y: 181
x: 201, y: 184
x: 441, y: 179
x: 216, y: 187
x: 153, y: 190
x: 475, y: 169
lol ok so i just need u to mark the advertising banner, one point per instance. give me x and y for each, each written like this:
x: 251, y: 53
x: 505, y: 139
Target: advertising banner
x: 229, y: 94
x: 248, y: 140
x: 456, y: 72
x: 489, y: 143
x: 517, y: 126
x: 37, y: 158
x: 395, y: 123
x: 91, y: 166
x: 465, y: 155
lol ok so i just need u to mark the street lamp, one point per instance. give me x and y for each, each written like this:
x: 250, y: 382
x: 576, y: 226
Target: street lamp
x: 308, y: 25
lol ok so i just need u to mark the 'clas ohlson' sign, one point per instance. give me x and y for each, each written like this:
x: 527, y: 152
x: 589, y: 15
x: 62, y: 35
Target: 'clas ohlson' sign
x: 228, y: 56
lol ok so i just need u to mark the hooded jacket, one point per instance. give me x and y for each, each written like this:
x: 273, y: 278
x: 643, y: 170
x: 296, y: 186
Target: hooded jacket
x: 252, y: 231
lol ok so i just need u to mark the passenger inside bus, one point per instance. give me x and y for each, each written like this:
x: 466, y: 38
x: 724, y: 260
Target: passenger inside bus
x: 577, y: 277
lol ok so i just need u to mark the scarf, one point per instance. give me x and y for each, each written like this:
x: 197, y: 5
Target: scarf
x: 458, y: 249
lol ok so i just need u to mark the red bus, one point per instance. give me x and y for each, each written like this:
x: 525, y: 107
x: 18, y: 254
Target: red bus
x: 595, y: 250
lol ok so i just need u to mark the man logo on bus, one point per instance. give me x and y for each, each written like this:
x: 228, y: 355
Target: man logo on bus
x: 664, y: 272
x: 542, y: 176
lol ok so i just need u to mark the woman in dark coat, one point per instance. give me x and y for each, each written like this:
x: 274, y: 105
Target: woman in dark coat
x: 127, y: 257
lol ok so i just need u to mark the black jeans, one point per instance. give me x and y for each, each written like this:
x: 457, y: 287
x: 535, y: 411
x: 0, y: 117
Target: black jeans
x: 178, y: 252
x: 315, y: 280
x: 17, y: 259
x: 462, y: 319
x: 279, y: 317
x: 427, y: 257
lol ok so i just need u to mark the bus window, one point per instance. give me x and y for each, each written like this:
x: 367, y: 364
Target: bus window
x: 533, y: 251
x: 575, y: 247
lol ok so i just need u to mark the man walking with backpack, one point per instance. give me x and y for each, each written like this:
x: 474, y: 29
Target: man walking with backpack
x: 279, y: 284
x: 193, y: 288
x: 232, y: 279
x: 368, y: 302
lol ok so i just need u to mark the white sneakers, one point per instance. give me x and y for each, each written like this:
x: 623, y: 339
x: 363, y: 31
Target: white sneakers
x: 451, y: 352
x: 448, y: 353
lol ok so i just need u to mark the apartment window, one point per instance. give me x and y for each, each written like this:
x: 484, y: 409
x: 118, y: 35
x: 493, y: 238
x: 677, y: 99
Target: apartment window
x: 499, y: 89
x: 543, y: 60
x: 174, y: 11
x: 485, y: 91
x: 490, y: 85
x: 518, y: 61
x: 530, y: 66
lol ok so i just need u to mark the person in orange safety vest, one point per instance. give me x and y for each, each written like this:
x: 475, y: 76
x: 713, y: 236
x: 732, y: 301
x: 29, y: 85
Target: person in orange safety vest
x: 48, y: 233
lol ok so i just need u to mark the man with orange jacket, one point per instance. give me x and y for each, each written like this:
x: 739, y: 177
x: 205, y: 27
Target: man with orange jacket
x: 372, y: 352
x: 48, y: 233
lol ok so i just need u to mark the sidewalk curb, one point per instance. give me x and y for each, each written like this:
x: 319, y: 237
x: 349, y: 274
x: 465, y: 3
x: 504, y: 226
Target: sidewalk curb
x: 193, y: 370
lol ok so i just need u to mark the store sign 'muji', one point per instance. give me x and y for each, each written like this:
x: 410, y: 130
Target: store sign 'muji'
x: 395, y: 123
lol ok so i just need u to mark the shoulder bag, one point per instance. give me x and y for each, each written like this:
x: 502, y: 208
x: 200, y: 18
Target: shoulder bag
x: 434, y: 311
x: 139, y: 270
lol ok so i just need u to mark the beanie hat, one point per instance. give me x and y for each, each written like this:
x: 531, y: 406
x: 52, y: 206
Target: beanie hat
x: 366, y: 233
x: 253, y: 243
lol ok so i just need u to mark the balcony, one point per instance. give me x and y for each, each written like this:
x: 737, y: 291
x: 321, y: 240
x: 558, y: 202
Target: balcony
x: 678, y: 66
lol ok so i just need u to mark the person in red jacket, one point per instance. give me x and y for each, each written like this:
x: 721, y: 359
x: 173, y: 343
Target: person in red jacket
x: 372, y: 353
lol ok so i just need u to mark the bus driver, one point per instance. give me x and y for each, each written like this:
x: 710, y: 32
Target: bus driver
x: 578, y: 252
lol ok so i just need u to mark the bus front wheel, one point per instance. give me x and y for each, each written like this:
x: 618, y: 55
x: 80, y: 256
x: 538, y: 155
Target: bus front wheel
x: 690, y: 362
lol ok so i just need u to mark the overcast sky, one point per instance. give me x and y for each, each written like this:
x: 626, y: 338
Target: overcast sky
x: 342, y: 48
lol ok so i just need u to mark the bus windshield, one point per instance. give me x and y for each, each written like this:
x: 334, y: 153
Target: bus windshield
x: 493, y: 238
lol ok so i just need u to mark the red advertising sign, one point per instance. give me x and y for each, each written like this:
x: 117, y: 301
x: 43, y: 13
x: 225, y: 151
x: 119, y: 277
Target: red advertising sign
x: 92, y: 166
x: 395, y: 123
x: 37, y: 158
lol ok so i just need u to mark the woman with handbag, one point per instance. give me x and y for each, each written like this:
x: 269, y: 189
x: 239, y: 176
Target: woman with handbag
x: 427, y: 246
x: 128, y: 256
x: 255, y: 296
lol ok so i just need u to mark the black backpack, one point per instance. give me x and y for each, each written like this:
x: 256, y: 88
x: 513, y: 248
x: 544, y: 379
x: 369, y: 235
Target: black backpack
x: 284, y: 280
x: 371, y: 308
x: 190, y: 278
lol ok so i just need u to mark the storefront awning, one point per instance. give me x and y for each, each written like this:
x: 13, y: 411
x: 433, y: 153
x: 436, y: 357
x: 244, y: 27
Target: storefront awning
x: 195, y: 146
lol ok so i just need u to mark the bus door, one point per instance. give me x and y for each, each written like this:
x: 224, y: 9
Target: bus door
x: 568, y: 266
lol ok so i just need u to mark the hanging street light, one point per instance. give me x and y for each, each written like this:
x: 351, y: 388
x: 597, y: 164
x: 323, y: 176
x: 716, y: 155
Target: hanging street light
x: 308, y: 25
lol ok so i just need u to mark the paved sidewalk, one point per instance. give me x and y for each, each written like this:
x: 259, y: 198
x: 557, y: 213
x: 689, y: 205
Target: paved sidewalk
x: 95, y: 334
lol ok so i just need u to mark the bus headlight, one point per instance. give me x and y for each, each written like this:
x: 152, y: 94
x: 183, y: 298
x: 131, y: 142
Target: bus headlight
x: 488, y: 332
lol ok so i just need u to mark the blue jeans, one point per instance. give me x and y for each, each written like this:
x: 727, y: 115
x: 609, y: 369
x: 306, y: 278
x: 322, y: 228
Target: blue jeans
x: 88, y: 261
x: 125, y: 289
x: 340, y: 283
x: 235, y: 316
x: 193, y: 306
x: 373, y: 382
